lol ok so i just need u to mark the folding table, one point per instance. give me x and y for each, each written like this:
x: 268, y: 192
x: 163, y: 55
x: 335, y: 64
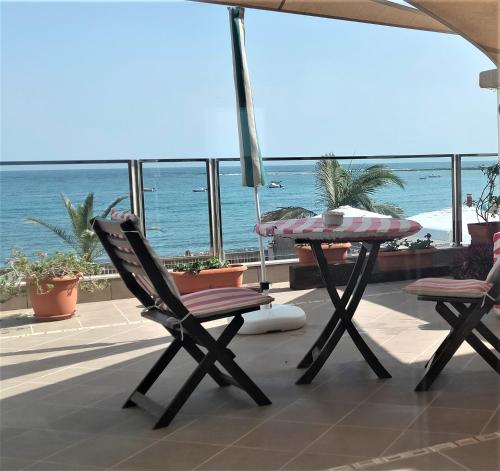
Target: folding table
x: 371, y: 232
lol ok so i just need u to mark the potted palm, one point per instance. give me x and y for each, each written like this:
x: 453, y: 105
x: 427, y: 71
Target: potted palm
x: 406, y: 255
x: 81, y: 238
x: 206, y: 274
x: 338, y: 186
x: 52, y: 282
x: 487, y: 206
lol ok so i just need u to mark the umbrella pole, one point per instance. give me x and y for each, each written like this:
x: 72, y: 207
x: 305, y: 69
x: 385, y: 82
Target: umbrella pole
x: 263, y: 271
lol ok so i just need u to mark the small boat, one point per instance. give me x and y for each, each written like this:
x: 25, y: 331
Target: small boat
x: 275, y: 184
x: 423, y: 178
x: 150, y: 189
x: 200, y: 190
x: 434, y: 175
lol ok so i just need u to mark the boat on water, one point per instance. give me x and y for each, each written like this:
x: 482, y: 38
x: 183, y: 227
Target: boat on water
x: 150, y: 189
x: 200, y: 190
x: 423, y: 178
x: 275, y: 184
x: 434, y: 175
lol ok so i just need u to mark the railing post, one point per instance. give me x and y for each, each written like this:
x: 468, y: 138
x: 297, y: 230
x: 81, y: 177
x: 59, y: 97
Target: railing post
x: 214, y: 209
x: 456, y: 198
x: 136, y: 186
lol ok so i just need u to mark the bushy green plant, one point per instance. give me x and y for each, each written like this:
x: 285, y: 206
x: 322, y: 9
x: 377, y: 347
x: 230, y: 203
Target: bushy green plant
x: 488, y: 203
x: 419, y: 244
x: 195, y: 267
x: 82, y: 237
x: 38, y: 270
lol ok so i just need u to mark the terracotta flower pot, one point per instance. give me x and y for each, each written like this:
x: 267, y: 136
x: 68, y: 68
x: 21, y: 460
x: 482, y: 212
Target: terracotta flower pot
x: 214, y: 278
x: 333, y: 253
x: 401, y: 260
x: 55, y: 303
x: 482, y: 233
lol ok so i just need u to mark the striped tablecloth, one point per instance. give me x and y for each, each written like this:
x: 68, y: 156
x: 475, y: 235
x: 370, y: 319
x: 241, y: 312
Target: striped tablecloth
x: 353, y: 229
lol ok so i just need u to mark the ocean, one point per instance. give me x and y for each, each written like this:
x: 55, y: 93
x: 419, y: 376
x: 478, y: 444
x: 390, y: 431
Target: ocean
x: 177, y: 217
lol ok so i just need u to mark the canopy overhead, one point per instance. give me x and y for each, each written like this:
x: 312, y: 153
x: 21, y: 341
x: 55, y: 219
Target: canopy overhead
x: 380, y: 12
x: 478, y: 21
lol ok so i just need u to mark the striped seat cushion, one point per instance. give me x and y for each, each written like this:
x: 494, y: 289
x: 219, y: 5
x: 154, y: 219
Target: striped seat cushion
x: 445, y: 287
x: 223, y: 300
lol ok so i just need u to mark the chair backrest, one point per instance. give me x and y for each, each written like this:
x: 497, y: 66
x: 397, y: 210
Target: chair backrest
x: 496, y: 259
x: 137, y: 264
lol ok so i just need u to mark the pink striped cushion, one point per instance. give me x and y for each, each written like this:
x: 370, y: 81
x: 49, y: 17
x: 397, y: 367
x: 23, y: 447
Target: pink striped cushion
x: 446, y: 287
x: 352, y: 229
x: 223, y: 300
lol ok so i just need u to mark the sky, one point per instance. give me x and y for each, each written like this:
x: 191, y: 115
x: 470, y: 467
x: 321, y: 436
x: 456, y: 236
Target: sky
x: 154, y: 80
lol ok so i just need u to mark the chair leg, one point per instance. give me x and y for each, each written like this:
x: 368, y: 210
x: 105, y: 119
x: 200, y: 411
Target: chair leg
x: 457, y: 336
x: 155, y: 371
x: 472, y: 339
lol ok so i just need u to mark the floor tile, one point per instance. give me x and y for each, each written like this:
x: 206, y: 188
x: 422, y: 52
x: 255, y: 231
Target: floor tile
x: 89, y: 420
x: 354, y: 441
x: 415, y: 439
x: 489, y: 400
x: 313, y: 462
x: 382, y: 416
x: 214, y: 430
x: 174, y: 456
x: 321, y: 412
x: 282, y: 436
x: 429, y: 462
x: 247, y: 459
x: 38, y: 444
x: 13, y: 464
x: 101, y: 451
x: 483, y: 456
x: 439, y: 419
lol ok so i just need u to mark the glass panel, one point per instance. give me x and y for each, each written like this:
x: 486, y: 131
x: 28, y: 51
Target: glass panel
x: 473, y: 183
x: 176, y: 208
x: 35, y: 191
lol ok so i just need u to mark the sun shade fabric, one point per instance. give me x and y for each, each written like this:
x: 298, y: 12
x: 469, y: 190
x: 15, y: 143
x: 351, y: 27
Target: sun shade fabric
x: 478, y: 21
x: 352, y: 229
x: 252, y: 170
x: 223, y: 300
x: 367, y: 11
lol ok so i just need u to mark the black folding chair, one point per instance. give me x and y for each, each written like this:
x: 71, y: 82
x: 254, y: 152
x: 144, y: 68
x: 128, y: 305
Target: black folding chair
x: 182, y: 317
x: 462, y: 303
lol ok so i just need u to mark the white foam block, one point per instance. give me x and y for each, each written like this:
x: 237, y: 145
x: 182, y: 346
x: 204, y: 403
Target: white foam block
x: 277, y: 318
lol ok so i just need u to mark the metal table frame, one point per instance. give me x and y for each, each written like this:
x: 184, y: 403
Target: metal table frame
x: 345, y: 308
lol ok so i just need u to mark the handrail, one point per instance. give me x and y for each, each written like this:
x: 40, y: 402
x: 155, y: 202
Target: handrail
x: 212, y: 165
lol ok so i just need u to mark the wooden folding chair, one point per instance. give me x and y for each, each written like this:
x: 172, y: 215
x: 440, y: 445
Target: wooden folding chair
x: 462, y: 303
x: 182, y: 317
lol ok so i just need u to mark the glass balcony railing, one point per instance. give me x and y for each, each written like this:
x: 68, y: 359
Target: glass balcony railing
x: 198, y: 208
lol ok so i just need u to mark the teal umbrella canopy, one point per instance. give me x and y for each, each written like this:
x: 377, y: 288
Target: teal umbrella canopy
x: 252, y: 169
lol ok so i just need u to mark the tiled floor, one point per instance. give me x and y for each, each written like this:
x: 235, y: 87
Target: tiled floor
x: 63, y: 384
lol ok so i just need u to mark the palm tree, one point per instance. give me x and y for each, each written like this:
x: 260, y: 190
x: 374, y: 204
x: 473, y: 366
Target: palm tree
x: 82, y: 238
x: 338, y: 186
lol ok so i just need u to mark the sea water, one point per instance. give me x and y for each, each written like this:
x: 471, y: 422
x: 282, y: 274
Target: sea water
x: 177, y: 216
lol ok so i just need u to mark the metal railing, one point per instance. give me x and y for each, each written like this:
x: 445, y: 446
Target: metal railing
x: 212, y: 166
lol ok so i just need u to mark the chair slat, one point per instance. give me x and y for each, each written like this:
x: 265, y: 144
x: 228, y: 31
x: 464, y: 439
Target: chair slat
x: 135, y: 269
x: 128, y: 257
x: 120, y: 243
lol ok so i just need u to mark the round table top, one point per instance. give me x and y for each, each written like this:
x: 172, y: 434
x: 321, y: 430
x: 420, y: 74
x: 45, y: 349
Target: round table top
x: 352, y: 229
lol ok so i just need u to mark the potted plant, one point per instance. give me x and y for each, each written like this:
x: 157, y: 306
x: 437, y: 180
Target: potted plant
x: 338, y: 186
x: 52, y: 282
x: 487, y: 205
x: 406, y: 255
x: 206, y: 274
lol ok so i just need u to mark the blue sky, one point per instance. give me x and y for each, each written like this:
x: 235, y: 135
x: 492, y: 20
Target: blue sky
x: 154, y: 80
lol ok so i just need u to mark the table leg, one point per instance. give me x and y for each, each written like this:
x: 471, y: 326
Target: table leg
x: 342, y: 317
x: 339, y: 303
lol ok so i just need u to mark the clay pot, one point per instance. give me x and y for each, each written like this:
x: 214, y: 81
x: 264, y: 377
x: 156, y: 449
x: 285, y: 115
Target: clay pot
x: 214, y: 278
x: 402, y: 260
x: 56, y: 303
x: 482, y: 233
x: 333, y: 253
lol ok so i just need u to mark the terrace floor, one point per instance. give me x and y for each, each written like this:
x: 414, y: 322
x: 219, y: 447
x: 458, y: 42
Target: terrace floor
x: 63, y: 385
